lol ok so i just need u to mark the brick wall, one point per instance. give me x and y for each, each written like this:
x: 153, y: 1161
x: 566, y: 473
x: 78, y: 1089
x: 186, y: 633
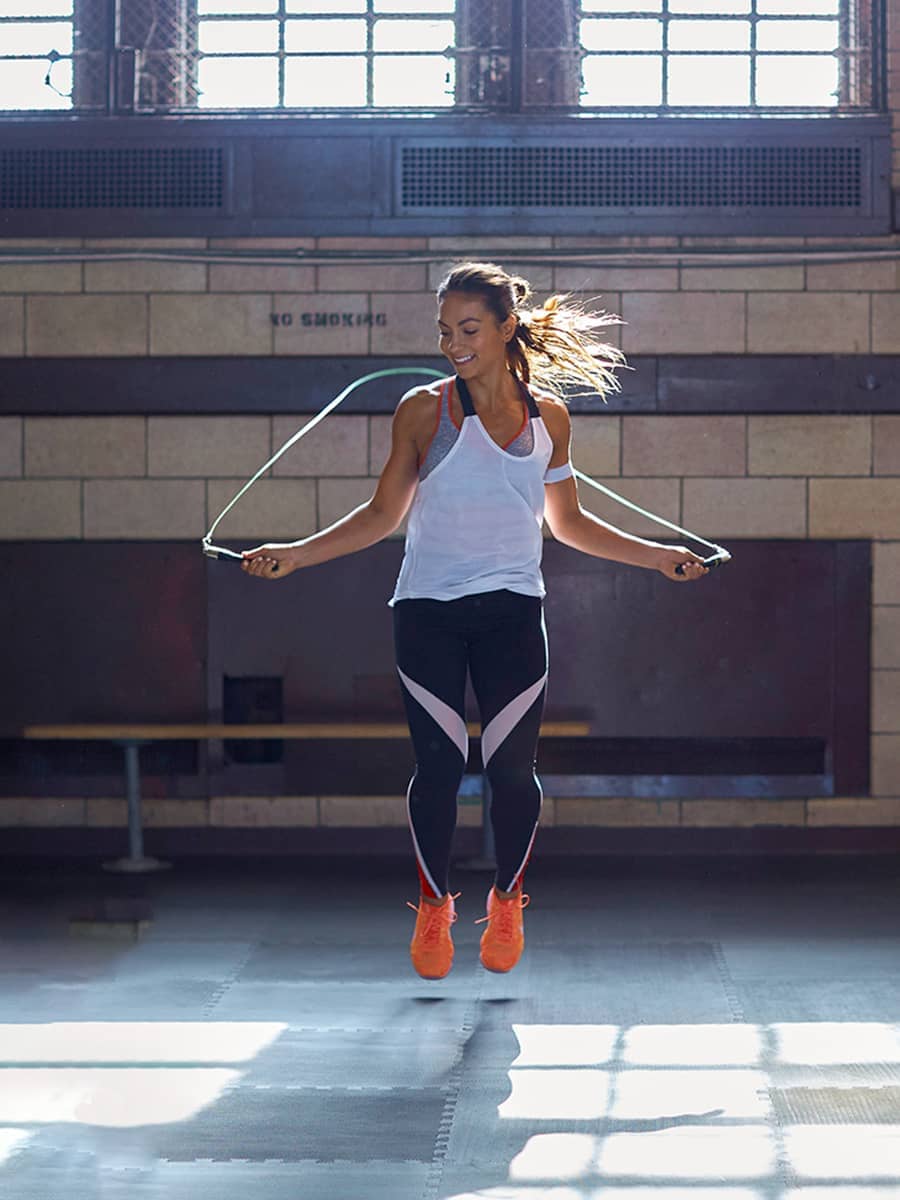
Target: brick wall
x: 785, y: 476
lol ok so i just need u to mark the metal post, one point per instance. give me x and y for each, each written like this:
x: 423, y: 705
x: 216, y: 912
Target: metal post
x: 113, y: 26
x: 488, y: 849
x: 135, y: 861
x: 133, y: 792
x: 486, y: 861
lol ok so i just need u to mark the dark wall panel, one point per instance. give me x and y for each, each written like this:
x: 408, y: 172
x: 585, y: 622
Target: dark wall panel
x: 325, y: 631
x: 722, y: 383
x: 101, y: 631
x: 769, y: 654
x: 751, y: 652
x: 742, y: 653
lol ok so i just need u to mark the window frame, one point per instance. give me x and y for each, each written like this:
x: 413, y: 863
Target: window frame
x: 117, y: 93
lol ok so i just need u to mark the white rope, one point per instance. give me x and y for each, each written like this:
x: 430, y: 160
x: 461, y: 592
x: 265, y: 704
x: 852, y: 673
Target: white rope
x: 652, y: 516
x: 217, y: 551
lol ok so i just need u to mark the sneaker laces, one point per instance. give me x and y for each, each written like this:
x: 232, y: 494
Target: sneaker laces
x: 436, y: 918
x: 504, y: 914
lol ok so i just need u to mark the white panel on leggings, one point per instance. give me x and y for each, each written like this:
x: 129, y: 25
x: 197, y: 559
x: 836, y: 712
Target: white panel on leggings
x: 506, y: 720
x: 448, y: 719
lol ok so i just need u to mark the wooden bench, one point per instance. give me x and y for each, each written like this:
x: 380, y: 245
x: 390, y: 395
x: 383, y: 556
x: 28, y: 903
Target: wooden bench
x: 132, y: 737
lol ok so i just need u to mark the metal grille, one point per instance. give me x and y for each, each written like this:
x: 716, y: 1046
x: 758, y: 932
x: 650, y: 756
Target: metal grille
x: 483, y: 53
x: 836, y: 1105
x: 552, y: 54
x: 169, y: 177
x: 93, y: 47
x: 442, y: 176
x: 162, y: 36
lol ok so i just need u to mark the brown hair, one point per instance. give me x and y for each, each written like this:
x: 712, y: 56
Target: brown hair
x: 555, y: 344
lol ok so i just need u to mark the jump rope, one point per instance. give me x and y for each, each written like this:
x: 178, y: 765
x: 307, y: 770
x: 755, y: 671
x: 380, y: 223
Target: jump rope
x: 720, y: 555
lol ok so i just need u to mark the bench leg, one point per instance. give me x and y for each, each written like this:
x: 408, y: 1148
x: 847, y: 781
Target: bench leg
x: 486, y: 861
x: 136, y: 860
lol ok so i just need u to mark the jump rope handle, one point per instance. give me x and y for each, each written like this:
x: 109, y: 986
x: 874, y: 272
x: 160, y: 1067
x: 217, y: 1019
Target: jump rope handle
x: 714, y: 560
x: 212, y: 551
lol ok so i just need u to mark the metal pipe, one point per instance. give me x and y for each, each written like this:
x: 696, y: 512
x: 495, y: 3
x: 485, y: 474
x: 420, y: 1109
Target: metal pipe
x: 133, y: 793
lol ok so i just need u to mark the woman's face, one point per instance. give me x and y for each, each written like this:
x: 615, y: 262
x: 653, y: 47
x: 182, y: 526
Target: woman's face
x: 470, y: 335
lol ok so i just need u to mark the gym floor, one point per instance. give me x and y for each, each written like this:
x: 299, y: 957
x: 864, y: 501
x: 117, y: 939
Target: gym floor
x: 726, y: 1027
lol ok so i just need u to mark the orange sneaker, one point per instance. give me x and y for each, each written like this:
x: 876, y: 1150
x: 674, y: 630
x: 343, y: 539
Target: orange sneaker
x: 503, y: 941
x: 431, y: 948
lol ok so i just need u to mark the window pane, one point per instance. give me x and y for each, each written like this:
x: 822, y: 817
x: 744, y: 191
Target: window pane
x: 414, y: 6
x: 617, y: 6
x: 22, y: 84
x: 800, y: 8
x: 37, y: 8
x: 609, y: 81
x: 713, y: 81
x: 325, y: 82
x: 629, y: 34
x: 312, y: 36
x: 710, y: 7
x: 797, y: 35
x: 413, y: 35
x: 796, y: 79
x: 311, y: 7
x: 709, y: 35
x: 228, y: 8
x: 38, y: 38
x: 402, y: 81
x: 251, y: 37
x: 238, y: 82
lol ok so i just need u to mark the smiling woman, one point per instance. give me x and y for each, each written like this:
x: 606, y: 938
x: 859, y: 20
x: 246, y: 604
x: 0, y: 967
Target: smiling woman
x: 478, y: 460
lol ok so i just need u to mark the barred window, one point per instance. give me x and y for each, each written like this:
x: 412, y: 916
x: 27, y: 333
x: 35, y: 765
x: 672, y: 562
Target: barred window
x: 711, y: 53
x: 36, y: 39
x: 705, y: 56
x: 337, y: 54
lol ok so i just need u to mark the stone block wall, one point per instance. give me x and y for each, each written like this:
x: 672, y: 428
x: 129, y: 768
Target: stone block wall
x: 834, y: 475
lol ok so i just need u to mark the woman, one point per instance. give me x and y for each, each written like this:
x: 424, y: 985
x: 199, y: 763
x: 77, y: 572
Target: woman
x: 483, y: 459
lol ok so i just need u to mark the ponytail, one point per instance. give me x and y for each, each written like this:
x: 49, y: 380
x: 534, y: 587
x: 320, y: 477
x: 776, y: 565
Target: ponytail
x: 556, y: 344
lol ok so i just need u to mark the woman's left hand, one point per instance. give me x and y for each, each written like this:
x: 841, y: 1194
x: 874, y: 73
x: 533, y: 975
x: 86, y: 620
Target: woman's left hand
x: 672, y: 556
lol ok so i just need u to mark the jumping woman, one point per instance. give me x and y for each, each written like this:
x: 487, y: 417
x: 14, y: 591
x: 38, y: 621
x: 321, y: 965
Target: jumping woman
x: 483, y: 458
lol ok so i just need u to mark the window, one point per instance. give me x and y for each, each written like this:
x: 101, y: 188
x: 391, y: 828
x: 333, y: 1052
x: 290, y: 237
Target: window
x: 36, y: 54
x: 712, y: 54
x: 701, y: 56
x: 310, y: 54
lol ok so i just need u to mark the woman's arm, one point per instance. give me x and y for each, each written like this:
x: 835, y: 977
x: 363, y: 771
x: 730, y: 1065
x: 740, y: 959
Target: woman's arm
x: 570, y: 524
x: 377, y: 518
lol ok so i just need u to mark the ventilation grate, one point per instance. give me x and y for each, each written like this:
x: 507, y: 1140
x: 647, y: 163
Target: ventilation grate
x: 836, y: 1105
x: 113, y: 177
x: 442, y: 176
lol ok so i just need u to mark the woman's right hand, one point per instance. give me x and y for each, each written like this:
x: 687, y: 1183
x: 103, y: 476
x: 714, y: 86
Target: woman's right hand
x: 274, y: 560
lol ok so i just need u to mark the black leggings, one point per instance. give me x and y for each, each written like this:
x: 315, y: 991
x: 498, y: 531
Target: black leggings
x: 499, y: 637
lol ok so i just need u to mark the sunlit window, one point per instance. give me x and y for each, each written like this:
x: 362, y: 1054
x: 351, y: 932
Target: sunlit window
x: 336, y: 54
x: 701, y: 56
x: 36, y: 42
x: 712, y: 54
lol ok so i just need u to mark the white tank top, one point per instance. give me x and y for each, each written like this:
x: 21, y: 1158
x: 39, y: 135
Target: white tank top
x: 475, y: 522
